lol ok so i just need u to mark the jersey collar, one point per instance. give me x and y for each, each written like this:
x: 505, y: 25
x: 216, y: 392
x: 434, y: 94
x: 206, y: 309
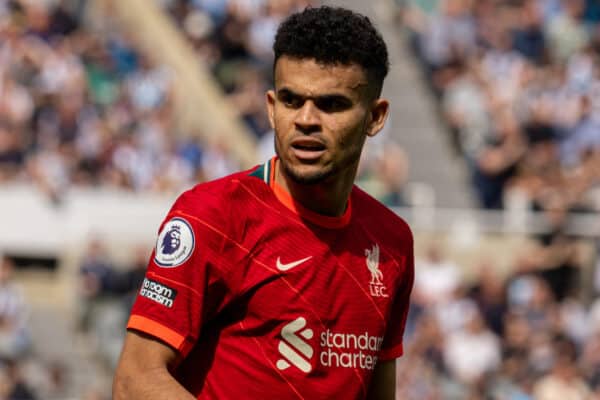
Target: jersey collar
x: 266, y: 172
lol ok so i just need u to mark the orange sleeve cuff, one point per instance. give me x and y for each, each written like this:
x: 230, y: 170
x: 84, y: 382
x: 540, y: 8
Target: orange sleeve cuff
x: 391, y: 353
x: 158, y: 330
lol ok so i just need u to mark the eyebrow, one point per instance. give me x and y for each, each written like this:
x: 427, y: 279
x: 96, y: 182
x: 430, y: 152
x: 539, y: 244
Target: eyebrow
x: 323, y: 97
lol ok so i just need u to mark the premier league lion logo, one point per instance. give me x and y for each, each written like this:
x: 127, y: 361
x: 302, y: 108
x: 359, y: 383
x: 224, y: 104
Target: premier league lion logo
x: 175, y: 243
x: 171, y: 241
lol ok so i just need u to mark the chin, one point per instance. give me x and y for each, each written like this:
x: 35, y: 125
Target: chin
x: 307, y: 174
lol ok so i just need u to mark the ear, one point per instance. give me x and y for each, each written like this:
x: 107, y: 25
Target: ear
x: 270, y: 98
x: 378, y: 115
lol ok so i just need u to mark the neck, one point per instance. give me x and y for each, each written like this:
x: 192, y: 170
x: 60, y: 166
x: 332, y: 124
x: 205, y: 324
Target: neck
x: 329, y: 197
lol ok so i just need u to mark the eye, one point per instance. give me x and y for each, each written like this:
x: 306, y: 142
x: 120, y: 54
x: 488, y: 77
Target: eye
x: 332, y: 104
x: 289, y: 99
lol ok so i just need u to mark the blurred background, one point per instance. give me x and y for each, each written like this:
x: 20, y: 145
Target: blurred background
x: 109, y: 109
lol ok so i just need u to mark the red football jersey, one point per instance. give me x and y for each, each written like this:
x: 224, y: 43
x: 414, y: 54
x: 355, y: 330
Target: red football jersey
x: 268, y: 300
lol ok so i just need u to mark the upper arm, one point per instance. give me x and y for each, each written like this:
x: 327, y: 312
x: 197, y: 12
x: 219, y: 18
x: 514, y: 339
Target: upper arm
x: 143, y: 351
x: 184, y: 284
x: 383, y: 382
x: 144, y: 368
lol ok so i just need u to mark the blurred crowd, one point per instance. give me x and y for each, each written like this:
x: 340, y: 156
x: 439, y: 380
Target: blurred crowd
x: 84, y: 108
x: 81, y: 107
x: 234, y: 38
x: 529, y: 335
x: 518, y: 84
x: 24, y: 373
x: 105, y: 293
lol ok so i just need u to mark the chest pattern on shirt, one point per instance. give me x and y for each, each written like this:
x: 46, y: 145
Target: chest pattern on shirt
x: 340, y: 344
x: 320, y: 297
x: 330, y: 309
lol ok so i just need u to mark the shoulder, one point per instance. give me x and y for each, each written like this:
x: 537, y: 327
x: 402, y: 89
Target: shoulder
x: 221, y: 205
x: 218, y: 195
x: 379, y: 219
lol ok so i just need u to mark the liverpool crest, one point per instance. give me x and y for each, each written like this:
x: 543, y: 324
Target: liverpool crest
x: 376, y: 286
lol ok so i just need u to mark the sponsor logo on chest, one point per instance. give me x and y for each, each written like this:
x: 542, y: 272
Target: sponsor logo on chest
x: 334, y: 349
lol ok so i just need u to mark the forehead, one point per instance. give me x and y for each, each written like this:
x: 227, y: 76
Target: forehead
x: 309, y: 78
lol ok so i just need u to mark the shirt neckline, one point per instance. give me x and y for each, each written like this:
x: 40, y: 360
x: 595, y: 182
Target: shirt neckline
x: 290, y: 203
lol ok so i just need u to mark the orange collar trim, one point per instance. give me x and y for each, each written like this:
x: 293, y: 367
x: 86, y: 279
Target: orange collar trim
x: 286, y: 199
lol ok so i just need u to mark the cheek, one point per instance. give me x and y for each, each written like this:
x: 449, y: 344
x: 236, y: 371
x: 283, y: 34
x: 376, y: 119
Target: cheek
x: 280, y: 135
x: 282, y: 119
x: 348, y: 132
x: 280, y: 125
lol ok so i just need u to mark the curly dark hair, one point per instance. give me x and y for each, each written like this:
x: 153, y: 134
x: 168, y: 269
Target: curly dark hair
x: 333, y: 35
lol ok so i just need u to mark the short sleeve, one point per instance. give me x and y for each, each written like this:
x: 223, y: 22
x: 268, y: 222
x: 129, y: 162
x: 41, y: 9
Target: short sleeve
x: 392, y: 347
x: 183, y: 285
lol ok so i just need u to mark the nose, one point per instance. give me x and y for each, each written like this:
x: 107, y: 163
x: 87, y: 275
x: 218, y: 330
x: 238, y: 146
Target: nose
x: 307, y: 118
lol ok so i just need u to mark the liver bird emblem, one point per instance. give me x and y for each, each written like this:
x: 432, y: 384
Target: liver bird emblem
x: 373, y: 265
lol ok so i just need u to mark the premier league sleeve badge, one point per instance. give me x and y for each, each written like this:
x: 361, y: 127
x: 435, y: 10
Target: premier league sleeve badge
x: 175, y: 243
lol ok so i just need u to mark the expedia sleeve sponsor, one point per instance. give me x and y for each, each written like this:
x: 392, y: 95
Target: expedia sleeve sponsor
x: 158, y: 292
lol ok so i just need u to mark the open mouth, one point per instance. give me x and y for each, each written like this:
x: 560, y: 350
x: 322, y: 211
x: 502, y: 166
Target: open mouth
x: 308, y: 145
x: 308, y: 150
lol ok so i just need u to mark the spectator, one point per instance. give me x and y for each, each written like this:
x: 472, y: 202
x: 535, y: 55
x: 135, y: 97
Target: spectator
x: 128, y: 282
x: 472, y: 352
x: 555, y: 257
x: 489, y: 293
x: 566, y: 32
x: 496, y: 161
x: 14, y: 334
x: 11, y: 152
x: 16, y: 387
x: 590, y: 361
x: 450, y: 34
x: 528, y: 36
x: 96, y: 281
x: 563, y: 382
x: 436, y: 277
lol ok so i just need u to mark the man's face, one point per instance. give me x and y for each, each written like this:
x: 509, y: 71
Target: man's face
x: 321, y: 116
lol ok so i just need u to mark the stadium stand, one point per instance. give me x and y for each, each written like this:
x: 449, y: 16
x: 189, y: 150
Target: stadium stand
x: 517, y: 86
x: 102, y: 123
x: 85, y: 110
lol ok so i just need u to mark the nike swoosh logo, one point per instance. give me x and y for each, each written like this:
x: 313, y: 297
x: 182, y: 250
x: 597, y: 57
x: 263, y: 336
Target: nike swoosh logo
x: 284, y: 267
